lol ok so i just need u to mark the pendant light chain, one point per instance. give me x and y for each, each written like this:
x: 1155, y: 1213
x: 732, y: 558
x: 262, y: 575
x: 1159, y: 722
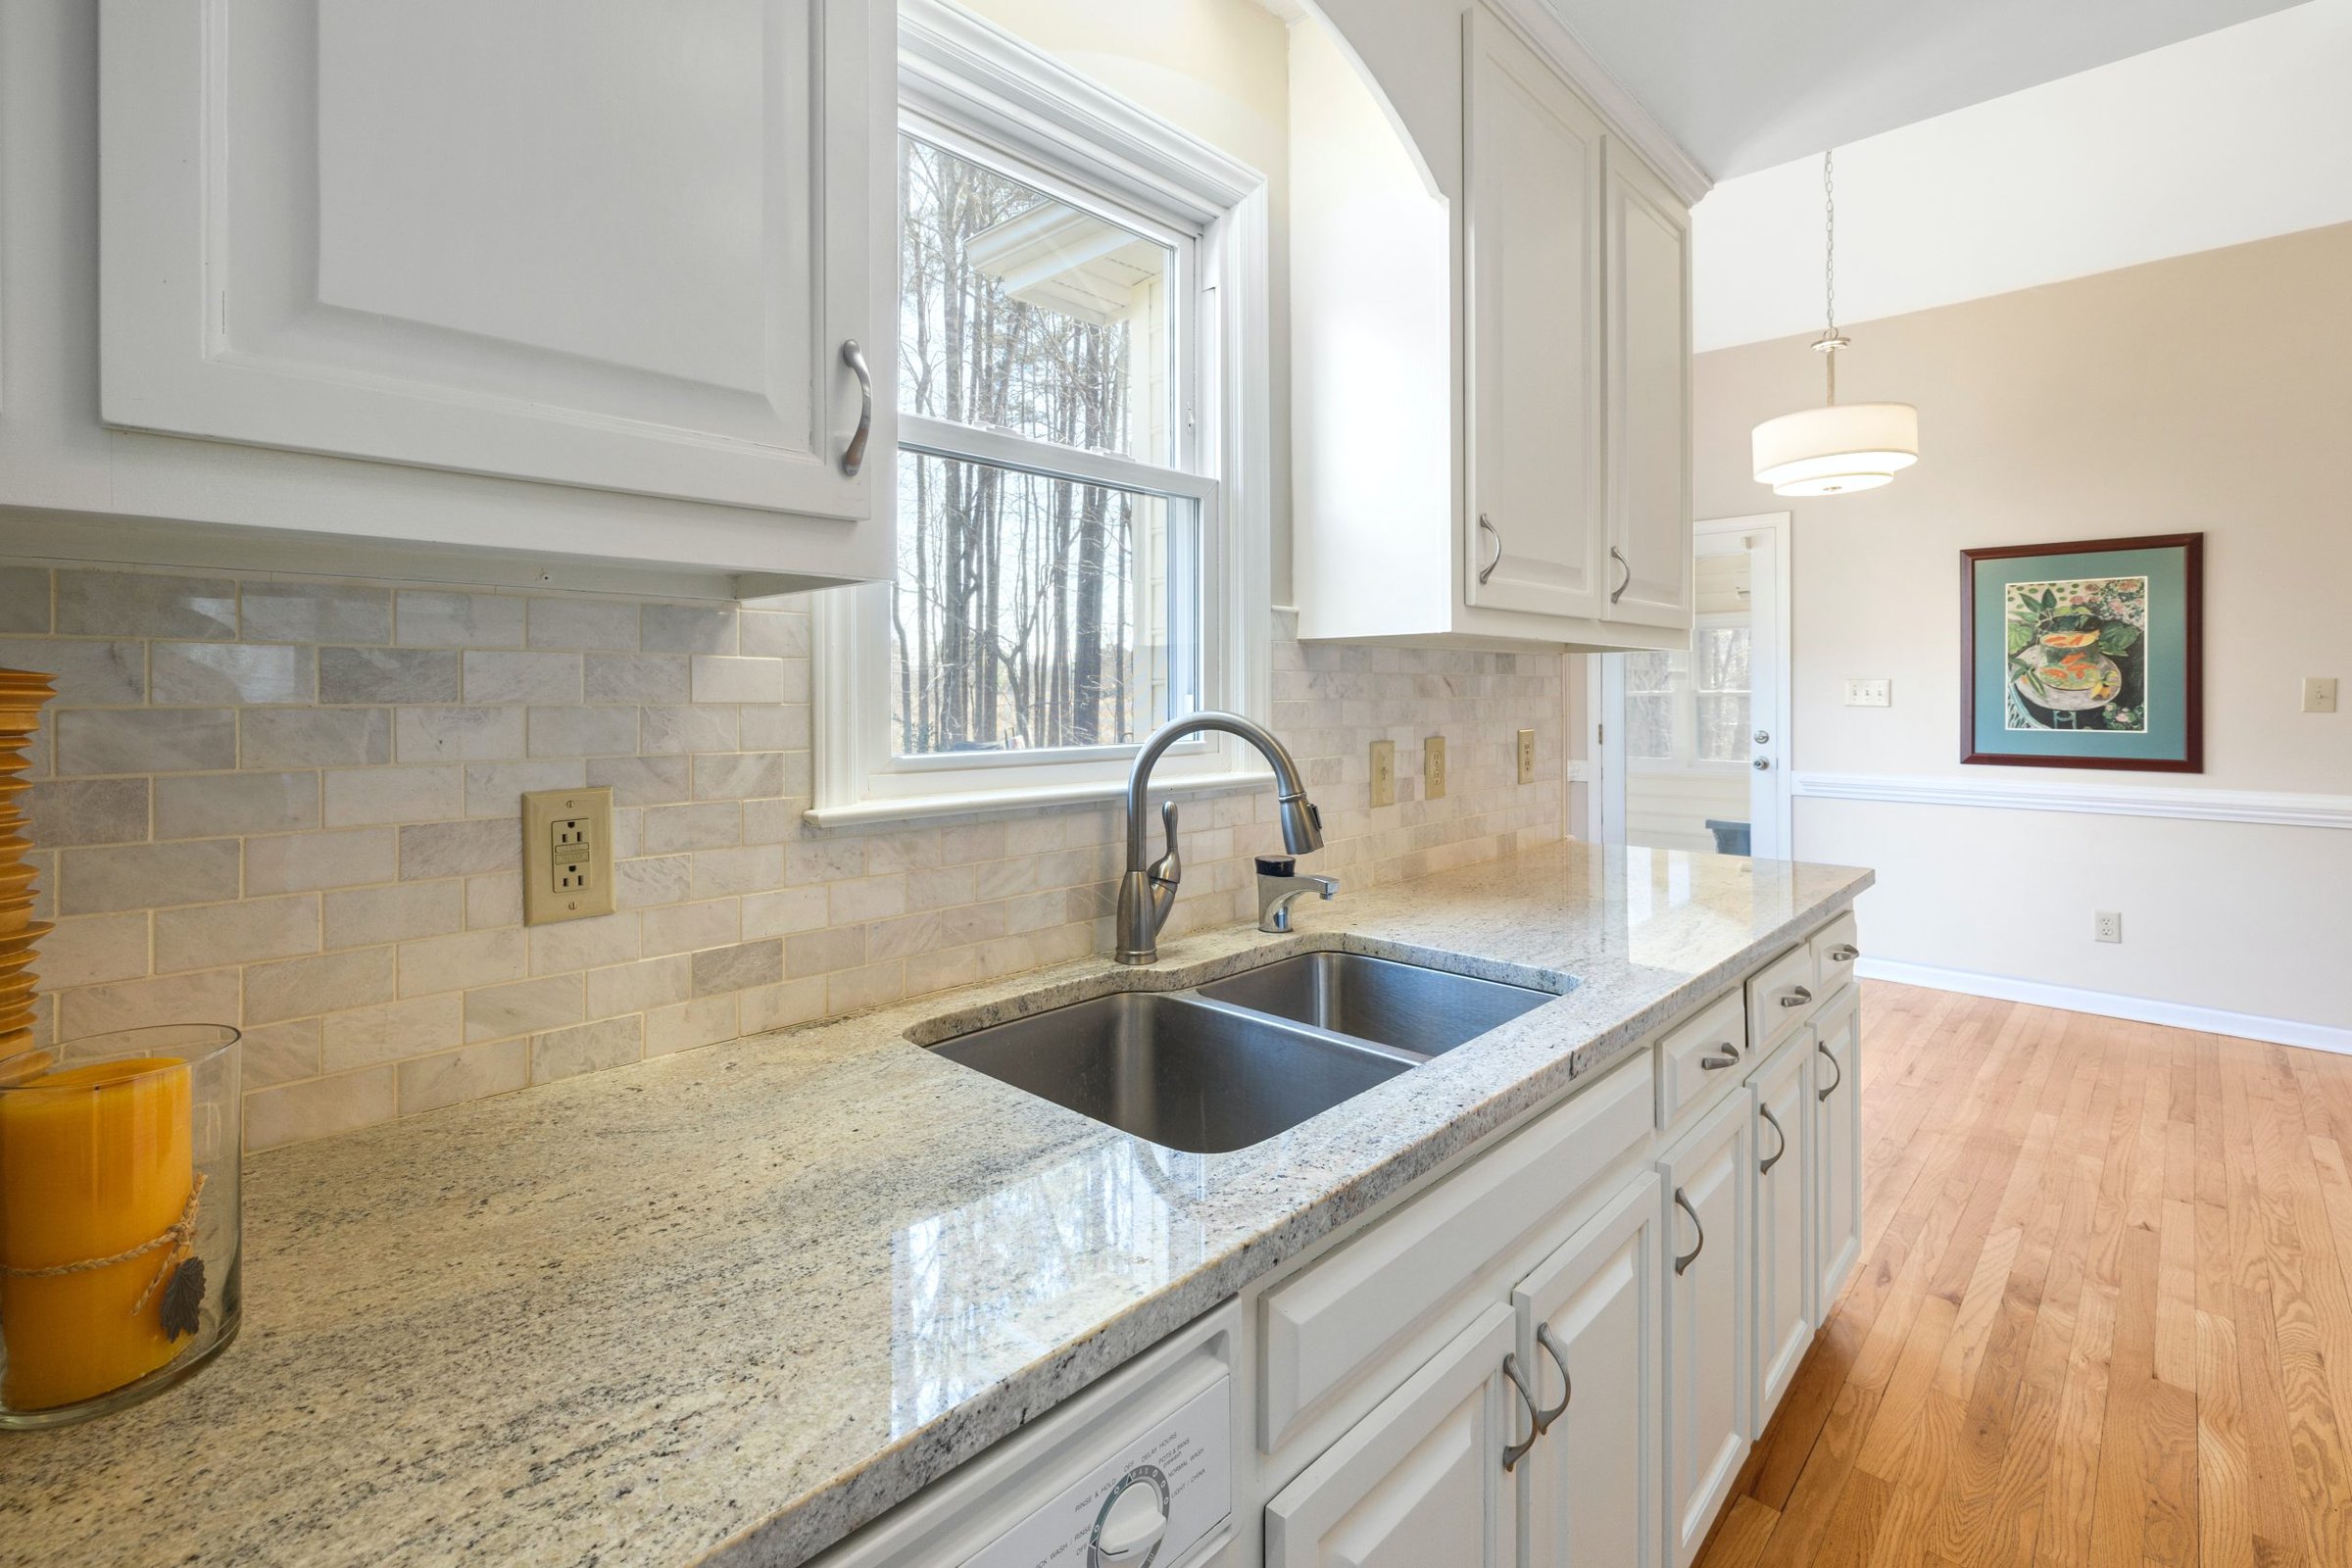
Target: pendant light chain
x: 1831, y: 343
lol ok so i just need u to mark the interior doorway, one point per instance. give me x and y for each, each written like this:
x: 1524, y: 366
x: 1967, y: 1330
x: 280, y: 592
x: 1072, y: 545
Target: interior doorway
x: 1689, y: 747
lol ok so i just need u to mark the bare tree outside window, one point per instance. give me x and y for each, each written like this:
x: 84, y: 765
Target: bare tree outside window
x: 1031, y: 610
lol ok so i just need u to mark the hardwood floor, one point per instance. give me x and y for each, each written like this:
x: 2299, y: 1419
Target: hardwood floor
x: 2104, y: 1311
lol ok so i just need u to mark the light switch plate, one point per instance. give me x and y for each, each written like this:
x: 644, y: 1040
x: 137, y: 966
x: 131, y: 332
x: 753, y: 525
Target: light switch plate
x: 1384, y: 772
x: 566, y: 854
x: 1432, y: 768
x: 2318, y: 693
x: 1870, y: 694
x: 1527, y: 757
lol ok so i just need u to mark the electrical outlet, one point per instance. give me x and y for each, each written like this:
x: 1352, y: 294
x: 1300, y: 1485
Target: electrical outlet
x: 1432, y: 768
x: 1384, y: 772
x: 2318, y: 693
x: 1870, y: 694
x: 2108, y: 925
x: 1527, y: 757
x: 566, y: 854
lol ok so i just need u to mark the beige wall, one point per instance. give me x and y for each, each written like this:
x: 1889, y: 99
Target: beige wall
x: 2209, y: 393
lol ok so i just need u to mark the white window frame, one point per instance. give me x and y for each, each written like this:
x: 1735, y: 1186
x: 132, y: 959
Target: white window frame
x: 970, y: 86
x: 1684, y: 710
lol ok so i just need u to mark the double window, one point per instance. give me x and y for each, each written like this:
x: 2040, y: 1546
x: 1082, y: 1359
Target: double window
x: 1080, y: 525
x: 1690, y: 710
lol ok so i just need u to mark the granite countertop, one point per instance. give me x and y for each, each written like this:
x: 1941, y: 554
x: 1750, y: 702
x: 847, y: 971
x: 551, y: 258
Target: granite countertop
x: 729, y: 1305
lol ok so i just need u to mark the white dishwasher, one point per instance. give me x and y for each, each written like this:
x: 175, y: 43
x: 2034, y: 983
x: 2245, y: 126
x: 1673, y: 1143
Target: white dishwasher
x: 1136, y: 1472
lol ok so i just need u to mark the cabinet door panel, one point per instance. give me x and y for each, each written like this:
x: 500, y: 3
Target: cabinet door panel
x: 1593, y: 1481
x: 1650, y: 500
x: 1784, y: 1198
x: 1420, y: 1479
x: 1835, y: 1098
x: 599, y: 244
x: 1534, y: 265
x: 1707, y: 1320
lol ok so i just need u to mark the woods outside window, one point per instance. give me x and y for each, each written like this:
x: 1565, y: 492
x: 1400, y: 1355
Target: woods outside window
x: 1080, y: 484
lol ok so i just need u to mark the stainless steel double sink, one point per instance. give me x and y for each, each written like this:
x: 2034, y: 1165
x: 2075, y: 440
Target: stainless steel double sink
x: 1239, y: 1061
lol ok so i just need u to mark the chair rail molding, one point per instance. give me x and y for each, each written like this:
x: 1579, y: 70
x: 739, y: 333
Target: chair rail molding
x: 2270, y: 807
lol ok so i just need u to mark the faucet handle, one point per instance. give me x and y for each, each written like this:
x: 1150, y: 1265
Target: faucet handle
x: 1169, y: 867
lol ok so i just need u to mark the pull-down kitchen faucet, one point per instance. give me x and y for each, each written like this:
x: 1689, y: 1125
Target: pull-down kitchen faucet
x: 1146, y: 893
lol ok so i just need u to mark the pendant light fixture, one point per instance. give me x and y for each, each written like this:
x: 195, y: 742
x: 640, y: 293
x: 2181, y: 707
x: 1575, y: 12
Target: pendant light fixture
x: 1839, y: 447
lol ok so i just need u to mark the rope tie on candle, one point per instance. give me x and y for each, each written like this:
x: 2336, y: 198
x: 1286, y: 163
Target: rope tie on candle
x: 182, y: 1233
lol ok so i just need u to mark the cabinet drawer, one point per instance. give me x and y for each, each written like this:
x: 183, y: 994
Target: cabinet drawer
x: 1834, y: 950
x: 1321, y: 1328
x: 1685, y: 1056
x: 1780, y: 997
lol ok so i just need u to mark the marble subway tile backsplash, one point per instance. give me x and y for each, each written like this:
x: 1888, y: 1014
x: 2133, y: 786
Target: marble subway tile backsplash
x: 293, y: 806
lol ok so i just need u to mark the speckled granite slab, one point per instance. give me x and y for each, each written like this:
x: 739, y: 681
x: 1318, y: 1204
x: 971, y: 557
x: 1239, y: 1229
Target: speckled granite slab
x: 729, y: 1305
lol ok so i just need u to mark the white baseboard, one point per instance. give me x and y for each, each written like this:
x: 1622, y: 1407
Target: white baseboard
x: 2109, y: 1005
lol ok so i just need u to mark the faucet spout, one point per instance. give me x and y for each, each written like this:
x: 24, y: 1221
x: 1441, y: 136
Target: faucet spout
x: 1148, y: 893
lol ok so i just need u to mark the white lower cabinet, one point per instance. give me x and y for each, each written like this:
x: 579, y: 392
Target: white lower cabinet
x: 1780, y: 1092
x: 1710, y: 1298
x: 1420, y: 1480
x: 1588, y: 1328
x: 1834, y: 1100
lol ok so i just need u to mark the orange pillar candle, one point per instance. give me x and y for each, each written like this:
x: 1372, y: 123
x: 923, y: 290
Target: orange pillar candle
x: 94, y: 1161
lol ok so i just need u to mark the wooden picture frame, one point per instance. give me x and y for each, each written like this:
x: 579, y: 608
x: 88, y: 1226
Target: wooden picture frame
x: 2084, y: 654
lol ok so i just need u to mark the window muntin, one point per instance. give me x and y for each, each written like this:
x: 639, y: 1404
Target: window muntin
x: 1691, y: 709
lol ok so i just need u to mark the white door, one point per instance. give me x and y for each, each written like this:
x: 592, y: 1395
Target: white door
x: 1592, y: 1483
x: 1835, y: 1098
x: 1707, y: 1320
x: 1780, y: 1093
x: 1420, y: 1480
x: 1533, y: 536
x: 591, y: 242
x: 1650, y: 501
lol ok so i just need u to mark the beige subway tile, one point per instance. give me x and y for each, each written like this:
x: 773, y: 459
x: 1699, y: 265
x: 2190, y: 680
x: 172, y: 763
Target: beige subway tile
x: 738, y: 775
x: 587, y: 1047
x: 927, y: 973
x: 688, y: 629
x: 296, y: 862
x: 584, y: 943
x: 86, y: 810
x: 461, y: 849
x: 24, y: 600
x: 573, y: 623
x: 388, y: 676
x: 776, y: 727
x: 785, y: 911
x: 822, y: 952
x: 670, y: 828
x: 207, y: 998
x: 366, y: 1036
x: 776, y: 822
x: 704, y: 1021
x: 86, y: 675
x: 292, y: 1114
x: 460, y: 734
x: 776, y: 634
x: 317, y: 613
x: 143, y: 604
x: 473, y: 1072
x: 684, y: 927
x: 496, y: 789
x: 739, y: 968
x: 209, y: 936
x: 331, y: 981
x: 522, y: 677
x: 824, y: 860
x: 717, y: 678
x: 855, y: 989
x: 579, y: 731
x: 359, y: 797
x: 146, y: 876
x: 863, y: 898
x: 211, y: 805
x: 280, y: 1053
x: 643, y: 780
x: 751, y: 869
x: 655, y: 880
x: 635, y: 677
x: 968, y: 842
x: 492, y: 900
x: 905, y: 936
x: 671, y: 728
x: 796, y: 1001
x: 462, y: 961
x: 432, y: 618
x: 313, y: 737
x: 400, y: 911
x: 525, y: 1006
x: 94, y: 949
x: 152, y: 740
x: 639, y: 987
x: 234, y: 673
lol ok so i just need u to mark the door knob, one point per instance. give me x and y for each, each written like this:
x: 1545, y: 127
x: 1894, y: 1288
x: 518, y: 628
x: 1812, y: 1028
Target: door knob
x: 1762, y: 765
x: 1763, y: 737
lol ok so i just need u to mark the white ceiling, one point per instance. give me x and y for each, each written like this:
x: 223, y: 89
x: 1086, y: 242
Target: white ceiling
x: 2237, y: 135
x: 1744, y: 84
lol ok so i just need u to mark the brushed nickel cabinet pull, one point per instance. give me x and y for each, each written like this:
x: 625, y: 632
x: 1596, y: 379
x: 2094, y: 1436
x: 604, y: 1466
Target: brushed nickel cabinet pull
x: 1692, y: 1256
x: 854, y: 458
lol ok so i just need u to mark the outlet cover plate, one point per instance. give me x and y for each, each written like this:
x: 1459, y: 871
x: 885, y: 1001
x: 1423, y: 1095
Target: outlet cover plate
x: 2318, y: 693
x: 1384, y: 772
x: 2107, y: 925
x: 1878, y: 693
x: 1527, y: 756
x: 566, y: 854
x: 1432, y: 768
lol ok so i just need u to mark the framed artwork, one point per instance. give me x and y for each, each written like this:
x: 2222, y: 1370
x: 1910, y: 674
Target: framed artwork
x: 2085, y: 655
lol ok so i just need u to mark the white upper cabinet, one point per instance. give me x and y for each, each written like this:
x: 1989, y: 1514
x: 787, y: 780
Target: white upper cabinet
x: 1489, y: 344
x: 1534, y: 246
x: 599, y: 244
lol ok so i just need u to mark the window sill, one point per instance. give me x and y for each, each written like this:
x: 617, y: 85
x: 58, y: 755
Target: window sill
x: 1009, y: 801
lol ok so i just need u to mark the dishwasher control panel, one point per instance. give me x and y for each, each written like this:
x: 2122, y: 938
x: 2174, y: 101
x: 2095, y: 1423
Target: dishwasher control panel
x: 1144, y: 1506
